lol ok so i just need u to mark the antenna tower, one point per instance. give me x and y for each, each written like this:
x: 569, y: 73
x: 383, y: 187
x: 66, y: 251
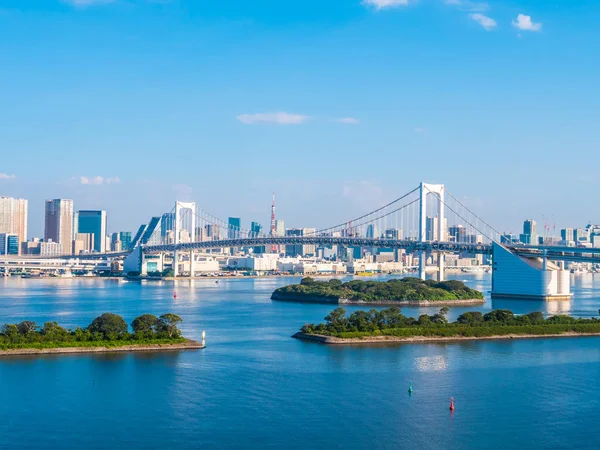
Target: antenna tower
x: 273, y: 232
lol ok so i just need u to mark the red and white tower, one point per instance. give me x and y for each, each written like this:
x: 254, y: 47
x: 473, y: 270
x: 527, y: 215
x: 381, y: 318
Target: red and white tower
x: 273, y: 233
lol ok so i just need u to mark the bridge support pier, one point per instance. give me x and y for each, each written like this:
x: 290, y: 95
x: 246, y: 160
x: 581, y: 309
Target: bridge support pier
x: 422, y: 264
x: 175, y: 263
x: 441, y: 267
x: 192, y: 269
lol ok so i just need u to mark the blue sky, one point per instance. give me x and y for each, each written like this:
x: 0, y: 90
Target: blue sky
x: 335, y: 105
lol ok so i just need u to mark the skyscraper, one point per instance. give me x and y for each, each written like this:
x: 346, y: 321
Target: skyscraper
x: 13, y: 217
x: 59, y: 224
x: 529, y: 235
x: 279, y: 227
x: 93, y: 222
x: 167, y: 223
x: 234, y: 225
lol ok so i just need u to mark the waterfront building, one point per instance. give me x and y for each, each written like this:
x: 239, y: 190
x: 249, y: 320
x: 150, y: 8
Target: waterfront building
x: 84, y: 242
x: 50, y: 248
x: 94, y: 223
x: 13, y: 217
x: 58, y: 224
x: 9, y: 244
x: 233, y: 227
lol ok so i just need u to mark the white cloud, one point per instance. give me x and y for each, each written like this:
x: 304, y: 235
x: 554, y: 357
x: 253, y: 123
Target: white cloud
x: 382, y: 4
x: 347, y: 120
x: 467, y: 5
x: 5, y: 176
x: 279, y: 118
x: 82, y: 3
x: 524, y: 22
x: 98, y: 180
x: 486, y: 22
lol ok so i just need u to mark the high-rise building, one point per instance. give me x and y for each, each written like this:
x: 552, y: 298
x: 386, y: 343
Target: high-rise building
x: 125, y: 238
x: 13, y: 217
x: 582, y: 235
x: 167, y: 223
x: 393, y: 233
x: 58, y: 226
x: 299, y: 249
x: 94, y: 223
x: 567, y: 234
x: 279, y: 227
x: 255, y: 229
x: 372, y: 232
x: 233, y: 227
x: 84, y: 242
x: 432, y: 229
x: 457, y: 233
x: 529, y: 235
x: 9, y: 244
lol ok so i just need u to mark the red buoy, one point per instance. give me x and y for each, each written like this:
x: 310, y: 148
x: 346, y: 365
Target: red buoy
x: 452, y: 404
x: 175, y: 294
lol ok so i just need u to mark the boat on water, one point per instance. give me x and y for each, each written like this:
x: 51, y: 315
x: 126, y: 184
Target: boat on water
x: 474, y: 269
x: 364, y: 274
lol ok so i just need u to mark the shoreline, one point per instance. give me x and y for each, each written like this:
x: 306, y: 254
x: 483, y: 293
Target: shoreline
x: 188, y: 345
x: 346, y: 302
x: 332, y: 340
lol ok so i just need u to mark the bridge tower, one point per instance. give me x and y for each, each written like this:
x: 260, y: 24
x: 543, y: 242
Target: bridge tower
x: 437, y: 190
x: 184, y: 209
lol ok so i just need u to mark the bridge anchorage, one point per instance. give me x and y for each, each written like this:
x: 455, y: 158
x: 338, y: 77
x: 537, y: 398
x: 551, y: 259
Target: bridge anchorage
x: 427, y: 226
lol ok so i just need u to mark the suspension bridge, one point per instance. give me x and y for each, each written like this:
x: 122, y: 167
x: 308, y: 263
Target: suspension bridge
x: 427, y: 221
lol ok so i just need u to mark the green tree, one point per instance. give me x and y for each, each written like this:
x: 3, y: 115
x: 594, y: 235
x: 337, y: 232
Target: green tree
x: 336, y: 320
x: 536, y: 318
x: 26, y: 327
x: 503, y: 316
x: 54, y: 332
x: 10, y: 330
x: 307, y: 281
x: 110, y: 326
x: 470, y: 318
x: 168, y: 323
x: 144, y: 325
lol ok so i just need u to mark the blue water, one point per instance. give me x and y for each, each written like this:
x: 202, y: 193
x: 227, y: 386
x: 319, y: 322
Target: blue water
x: 255, y: 387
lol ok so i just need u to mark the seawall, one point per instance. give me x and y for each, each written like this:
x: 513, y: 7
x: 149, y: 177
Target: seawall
x: 188, y: 345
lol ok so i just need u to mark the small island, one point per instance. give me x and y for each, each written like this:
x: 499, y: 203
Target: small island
x: 107, y: 333
x: 404, y: 292
x: 390, y: 325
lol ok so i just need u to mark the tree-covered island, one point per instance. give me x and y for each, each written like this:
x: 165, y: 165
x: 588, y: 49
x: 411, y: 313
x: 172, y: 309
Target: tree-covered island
x: 108, y: 332
x: 404, y: 291
x: 391, y: 325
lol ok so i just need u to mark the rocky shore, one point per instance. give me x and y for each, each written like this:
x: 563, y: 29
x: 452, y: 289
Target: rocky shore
x: 331, y: 340
x: 188, y: 345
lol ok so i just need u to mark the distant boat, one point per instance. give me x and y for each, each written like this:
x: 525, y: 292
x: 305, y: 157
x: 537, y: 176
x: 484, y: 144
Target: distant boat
x: 364, y: 274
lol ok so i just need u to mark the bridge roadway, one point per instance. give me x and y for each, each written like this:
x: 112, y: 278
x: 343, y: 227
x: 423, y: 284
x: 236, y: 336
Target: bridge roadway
x: 409, y: 245
x: 557, y: 253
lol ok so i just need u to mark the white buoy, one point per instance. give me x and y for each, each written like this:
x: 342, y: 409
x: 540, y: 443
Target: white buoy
x: 204, y: 338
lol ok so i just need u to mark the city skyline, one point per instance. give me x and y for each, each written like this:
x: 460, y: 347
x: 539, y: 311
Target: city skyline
x: 363, y: 98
